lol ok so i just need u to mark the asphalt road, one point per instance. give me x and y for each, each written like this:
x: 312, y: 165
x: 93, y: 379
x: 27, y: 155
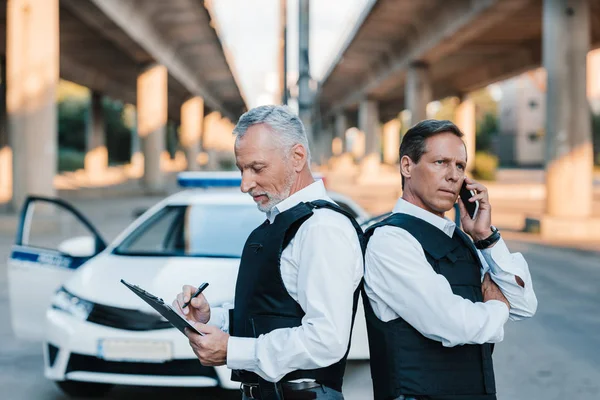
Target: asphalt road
x: 555, y: 355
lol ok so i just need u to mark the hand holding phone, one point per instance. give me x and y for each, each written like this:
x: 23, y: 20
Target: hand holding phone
x: 465, y: 195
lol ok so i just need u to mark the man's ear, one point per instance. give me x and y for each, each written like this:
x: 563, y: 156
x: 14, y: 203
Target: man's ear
x: 299, y: 157
x: 406, y: 166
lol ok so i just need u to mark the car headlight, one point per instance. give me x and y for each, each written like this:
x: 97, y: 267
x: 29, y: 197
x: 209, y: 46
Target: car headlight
x: 69, y: 303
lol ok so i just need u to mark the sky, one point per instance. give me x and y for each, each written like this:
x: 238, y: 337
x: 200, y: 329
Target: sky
x: 249, y: 29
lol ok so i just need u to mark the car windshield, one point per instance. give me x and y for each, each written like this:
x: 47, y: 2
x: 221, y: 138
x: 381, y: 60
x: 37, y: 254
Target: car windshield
x: 199, y: 230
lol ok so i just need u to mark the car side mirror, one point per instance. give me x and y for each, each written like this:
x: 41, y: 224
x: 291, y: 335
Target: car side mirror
x: 80, y: 246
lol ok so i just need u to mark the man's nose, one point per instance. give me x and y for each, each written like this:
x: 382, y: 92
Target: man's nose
x: 455, y: 174
x: 247, y: 183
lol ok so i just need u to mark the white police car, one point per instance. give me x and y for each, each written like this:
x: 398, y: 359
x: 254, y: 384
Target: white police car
x: 96, y: 332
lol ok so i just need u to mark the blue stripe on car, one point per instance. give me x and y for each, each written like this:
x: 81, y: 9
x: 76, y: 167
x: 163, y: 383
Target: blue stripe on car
x: 48, y: 257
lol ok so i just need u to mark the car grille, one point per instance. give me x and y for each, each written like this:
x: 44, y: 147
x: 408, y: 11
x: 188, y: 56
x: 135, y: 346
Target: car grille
x: 122, y: 318
x: 190, y: 367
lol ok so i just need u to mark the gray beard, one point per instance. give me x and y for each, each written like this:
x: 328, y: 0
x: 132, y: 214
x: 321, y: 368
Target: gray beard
x: 275, y: 199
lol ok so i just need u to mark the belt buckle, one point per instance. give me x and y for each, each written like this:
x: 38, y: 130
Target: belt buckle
x: 250, y: 388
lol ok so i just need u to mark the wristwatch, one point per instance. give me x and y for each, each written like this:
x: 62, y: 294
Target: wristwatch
x: 490, y: 240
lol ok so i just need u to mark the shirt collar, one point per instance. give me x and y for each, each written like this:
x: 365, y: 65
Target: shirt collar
x: 314, y: 191
x: 443, y: 224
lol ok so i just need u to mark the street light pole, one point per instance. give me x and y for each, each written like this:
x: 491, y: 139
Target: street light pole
x: 304, y: 95
x: 283, y: 51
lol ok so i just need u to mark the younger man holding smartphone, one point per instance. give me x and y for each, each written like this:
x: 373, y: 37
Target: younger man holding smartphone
x: 437, y: 300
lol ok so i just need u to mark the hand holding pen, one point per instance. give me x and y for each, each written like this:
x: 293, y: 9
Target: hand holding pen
x: 196, y: 293
x: 192, y: 304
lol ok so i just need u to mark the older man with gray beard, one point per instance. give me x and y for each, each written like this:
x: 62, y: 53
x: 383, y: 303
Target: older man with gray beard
x: 299, y: 277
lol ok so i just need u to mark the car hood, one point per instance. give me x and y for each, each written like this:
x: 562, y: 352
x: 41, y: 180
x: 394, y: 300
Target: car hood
x: 99, y: 280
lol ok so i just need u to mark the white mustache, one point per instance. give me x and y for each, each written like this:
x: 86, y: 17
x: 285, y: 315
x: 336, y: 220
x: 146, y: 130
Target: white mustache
x: 258, y: 194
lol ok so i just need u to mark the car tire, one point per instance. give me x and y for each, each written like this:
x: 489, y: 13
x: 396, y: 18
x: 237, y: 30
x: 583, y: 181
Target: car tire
x: 84, y: 389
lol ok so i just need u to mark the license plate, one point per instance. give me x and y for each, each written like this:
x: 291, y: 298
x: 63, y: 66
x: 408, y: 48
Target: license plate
x: 135, y: 350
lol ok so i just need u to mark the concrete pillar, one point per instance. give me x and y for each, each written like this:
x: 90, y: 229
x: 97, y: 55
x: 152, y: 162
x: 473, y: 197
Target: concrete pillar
x: 466, y: 121
x: 96, y: 158
x: 391, y: 141
x: 5, y: 150
x: 152, y: 123
x: 569, y: 155
x: 418, y: 91
x: 357, y: 139
x: 192, y: 121
x: 593, y: 80
x: 341, y: 126
x: 212, y: 140
x: 325, y: 142
x: 368, y: 123
x: 32, y: 71
x: 3, y: 131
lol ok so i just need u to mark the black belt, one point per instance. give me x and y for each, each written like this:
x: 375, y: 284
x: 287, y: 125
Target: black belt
x: 252, y: 391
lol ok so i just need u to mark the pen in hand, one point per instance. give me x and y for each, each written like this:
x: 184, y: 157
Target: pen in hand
x: 200, y: 289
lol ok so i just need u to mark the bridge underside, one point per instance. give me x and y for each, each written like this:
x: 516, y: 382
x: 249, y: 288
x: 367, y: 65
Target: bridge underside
x: 96, y: 52
x: 165, y: 57
x: 466, y: 45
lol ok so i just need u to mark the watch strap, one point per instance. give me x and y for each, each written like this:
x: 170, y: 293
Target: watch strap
x: 488, y: 241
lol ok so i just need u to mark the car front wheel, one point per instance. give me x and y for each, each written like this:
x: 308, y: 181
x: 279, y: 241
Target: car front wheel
x: 84, y: 389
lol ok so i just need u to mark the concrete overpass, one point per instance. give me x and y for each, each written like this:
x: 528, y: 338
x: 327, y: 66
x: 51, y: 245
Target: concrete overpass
x: 164, y: 57
x: 402, y: 54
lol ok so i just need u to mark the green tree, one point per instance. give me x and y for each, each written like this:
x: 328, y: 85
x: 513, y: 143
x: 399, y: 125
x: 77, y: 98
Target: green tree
x: 118, y: 134
x: 72, y: 116
x: 172, y: 139
x: 487, y: 129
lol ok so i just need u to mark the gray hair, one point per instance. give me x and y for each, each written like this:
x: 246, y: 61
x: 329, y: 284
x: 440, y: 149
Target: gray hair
x: 287, y: 128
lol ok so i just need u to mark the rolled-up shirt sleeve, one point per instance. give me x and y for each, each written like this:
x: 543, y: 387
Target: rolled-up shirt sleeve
x: 504, y: 267
x: 400, y: 282
x: 329, y: 270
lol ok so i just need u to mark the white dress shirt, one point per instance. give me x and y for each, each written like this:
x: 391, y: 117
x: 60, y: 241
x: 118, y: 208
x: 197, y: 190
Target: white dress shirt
x: 321, y: 268
x: 400, y: 282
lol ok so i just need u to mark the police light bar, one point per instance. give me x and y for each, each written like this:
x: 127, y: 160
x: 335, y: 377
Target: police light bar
x: 201, y: 179
x: 212, y: 179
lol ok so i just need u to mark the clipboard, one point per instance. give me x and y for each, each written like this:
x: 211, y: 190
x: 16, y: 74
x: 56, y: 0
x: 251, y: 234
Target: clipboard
x: 163, y: 309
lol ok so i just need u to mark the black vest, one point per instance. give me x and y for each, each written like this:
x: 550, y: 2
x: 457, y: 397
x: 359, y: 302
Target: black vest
x: 404, y: 362
x: 262, y: 303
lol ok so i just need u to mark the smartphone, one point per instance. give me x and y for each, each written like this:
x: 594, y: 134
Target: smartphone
x: 465, y: 195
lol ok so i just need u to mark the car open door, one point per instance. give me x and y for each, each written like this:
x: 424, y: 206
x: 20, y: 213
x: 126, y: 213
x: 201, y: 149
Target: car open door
x: 53, y: 239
